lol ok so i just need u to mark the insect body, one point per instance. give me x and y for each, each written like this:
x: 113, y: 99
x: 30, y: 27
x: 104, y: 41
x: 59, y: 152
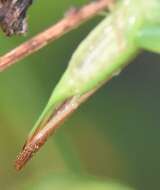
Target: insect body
x: 98, y: 58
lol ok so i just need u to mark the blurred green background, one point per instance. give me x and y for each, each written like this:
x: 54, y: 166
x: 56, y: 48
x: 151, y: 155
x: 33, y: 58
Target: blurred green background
x: 113, y: 137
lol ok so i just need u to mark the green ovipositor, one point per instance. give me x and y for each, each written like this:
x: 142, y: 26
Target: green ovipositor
x: 131, y: 26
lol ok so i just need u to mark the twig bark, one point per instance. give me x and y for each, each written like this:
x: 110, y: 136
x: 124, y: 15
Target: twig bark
x: 72, y: 20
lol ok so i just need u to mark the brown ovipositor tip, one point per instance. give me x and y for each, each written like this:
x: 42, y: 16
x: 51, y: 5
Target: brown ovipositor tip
x: 40, y: 136
x: 29, y: 149
x: 25, y: 155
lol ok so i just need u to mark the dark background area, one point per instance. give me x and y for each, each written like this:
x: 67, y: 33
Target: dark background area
x: 113, y: 136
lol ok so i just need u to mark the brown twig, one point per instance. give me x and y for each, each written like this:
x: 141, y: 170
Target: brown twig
x: 72, y: 20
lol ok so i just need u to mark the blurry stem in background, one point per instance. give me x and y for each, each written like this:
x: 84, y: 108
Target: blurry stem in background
x: 72, y: 20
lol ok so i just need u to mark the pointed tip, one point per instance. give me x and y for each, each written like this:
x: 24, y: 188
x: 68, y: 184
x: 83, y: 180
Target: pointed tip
x: 40, y: 136
x: 25, y: 155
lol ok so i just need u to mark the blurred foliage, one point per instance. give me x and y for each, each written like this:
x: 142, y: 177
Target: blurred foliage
x: 115, y: 135
x: 69, y: 182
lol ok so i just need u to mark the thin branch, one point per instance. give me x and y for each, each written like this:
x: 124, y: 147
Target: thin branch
x: 72, y: 20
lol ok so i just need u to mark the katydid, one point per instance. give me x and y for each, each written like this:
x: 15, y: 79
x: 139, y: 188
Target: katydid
x: 131, y: 26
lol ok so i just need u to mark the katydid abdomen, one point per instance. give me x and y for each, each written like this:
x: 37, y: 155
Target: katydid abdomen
x: 102, y: 55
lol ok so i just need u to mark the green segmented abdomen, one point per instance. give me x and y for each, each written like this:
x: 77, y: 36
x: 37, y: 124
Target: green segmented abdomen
x: 101, y: 53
